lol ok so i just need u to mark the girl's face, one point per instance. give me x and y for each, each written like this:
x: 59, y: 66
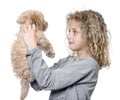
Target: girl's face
x: 75, y: 37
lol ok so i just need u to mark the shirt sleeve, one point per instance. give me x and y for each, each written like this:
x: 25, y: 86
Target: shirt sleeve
x: 55, y: 79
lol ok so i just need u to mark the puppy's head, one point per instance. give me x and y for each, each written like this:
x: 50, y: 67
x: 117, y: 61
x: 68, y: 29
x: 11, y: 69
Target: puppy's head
x: 33, y: 17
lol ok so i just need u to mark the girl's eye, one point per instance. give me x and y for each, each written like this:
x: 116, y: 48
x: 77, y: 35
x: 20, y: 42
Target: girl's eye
x: 74, y: 31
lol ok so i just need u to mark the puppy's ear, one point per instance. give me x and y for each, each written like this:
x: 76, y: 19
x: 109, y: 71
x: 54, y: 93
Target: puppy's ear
x: 45, y: 25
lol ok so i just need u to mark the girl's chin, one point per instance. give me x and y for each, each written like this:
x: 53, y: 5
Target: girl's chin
x: 71, y: 48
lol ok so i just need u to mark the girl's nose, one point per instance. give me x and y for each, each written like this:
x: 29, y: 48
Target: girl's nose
x: 69, y: 35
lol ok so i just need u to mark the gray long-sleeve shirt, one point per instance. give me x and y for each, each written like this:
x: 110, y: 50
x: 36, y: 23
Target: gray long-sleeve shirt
x: 68, y: 79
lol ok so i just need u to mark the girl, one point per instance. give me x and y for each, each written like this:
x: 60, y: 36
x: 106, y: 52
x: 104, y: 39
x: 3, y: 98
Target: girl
x: 73, y: 77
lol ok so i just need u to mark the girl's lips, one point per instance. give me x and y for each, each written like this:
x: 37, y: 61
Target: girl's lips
x: 71, y: 42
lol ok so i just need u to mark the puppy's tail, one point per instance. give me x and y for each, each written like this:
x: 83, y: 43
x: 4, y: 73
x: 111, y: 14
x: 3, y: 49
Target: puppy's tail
x: 24, y: 89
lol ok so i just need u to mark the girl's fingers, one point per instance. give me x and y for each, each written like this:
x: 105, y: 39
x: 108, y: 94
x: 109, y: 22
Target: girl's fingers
x: 29, y: 28
x: 25, y: 28
x: 33, y: 27
x: 21, y: 31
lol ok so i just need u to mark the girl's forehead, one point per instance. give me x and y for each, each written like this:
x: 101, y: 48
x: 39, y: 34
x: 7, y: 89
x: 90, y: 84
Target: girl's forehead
x: 74, y: 23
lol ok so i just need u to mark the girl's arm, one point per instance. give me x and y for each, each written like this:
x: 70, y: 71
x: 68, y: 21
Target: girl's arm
x: 49, y: 79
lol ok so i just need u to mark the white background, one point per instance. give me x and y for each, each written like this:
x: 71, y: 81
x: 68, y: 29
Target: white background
x: 55, y: 12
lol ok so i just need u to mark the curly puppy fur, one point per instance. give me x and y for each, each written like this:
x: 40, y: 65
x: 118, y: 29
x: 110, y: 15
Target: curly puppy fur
x: 19, y: 49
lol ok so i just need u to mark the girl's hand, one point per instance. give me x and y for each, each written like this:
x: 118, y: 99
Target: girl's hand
x: 29, y: 36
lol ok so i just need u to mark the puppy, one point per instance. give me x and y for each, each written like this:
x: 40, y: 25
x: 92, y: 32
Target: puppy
x: 19, y: 49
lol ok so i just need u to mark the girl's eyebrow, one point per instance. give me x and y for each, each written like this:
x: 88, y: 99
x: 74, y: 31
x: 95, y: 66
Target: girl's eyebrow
x: 73, y: 28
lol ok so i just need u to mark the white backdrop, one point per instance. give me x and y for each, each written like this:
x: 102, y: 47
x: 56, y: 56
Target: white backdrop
x: 55, y: 12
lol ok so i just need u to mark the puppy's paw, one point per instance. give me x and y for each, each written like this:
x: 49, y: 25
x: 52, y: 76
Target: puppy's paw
x: 50, y: 54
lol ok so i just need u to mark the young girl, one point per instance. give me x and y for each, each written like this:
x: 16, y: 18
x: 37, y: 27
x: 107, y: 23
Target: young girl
x: 73, y: 77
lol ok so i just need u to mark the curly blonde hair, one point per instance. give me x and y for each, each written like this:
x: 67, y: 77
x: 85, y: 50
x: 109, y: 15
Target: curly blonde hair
x: 96, y: 34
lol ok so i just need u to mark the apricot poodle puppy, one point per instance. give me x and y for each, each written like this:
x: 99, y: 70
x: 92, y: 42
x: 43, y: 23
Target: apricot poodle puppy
x: 19, y: 49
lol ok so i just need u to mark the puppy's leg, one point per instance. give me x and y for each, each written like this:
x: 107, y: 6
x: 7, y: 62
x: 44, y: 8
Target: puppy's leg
x: 47, y: 48
x: 24, y: 89
x: 49, y: 51
x: 45, y: 45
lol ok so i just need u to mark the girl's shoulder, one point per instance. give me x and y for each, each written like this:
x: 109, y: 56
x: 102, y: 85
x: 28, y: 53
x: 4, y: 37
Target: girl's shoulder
x: 72, y: 58
x: 89, y: 61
